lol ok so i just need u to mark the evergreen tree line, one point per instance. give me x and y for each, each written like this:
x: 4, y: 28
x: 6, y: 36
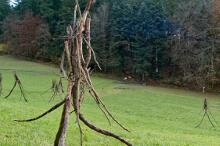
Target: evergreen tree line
x: 171, y: 41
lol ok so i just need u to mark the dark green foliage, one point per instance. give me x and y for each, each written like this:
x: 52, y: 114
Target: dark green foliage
x: 131, y: 36
x: 153, y: 39
x: 4, y: 11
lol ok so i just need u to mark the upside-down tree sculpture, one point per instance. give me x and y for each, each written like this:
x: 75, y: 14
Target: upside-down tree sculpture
x: 207, y: 112
x: 79, y: 79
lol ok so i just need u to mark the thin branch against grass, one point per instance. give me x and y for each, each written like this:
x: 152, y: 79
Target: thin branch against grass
x: 79, y: 79
x: 17, y: 81
x: 44, y: 114
x: 56, y: 88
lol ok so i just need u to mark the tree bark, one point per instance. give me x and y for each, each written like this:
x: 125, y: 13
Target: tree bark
x: 61, y: 134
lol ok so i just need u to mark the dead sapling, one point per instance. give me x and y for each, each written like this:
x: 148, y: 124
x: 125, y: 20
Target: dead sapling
x: 207, y: 113
x: 17, y: 82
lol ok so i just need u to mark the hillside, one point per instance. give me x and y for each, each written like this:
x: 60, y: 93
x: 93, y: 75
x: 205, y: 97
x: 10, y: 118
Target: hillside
x: 155, y: 116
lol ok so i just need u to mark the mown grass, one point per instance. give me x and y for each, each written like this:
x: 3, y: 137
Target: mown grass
x: 156, y: 116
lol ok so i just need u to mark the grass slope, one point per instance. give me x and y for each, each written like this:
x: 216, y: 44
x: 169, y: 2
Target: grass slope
x: 156, y: 116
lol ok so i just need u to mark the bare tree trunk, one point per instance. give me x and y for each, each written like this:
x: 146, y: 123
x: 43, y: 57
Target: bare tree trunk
x: 61, y: 134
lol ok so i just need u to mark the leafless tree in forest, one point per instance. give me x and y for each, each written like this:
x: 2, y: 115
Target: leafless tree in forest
x: 100, y: 26
x: 79, y: 79
x: 27, y: 35
x: 195, y: 43
x: 62, y: 67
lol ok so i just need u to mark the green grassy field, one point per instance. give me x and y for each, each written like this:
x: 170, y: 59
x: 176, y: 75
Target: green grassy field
x: 156, y: 116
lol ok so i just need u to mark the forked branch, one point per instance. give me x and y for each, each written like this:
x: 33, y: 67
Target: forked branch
x: 17, y: 82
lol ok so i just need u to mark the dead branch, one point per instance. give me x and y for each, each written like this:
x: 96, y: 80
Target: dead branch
x: 101, y: 131
x: 44, y: 114
x: 17, y: 82
x: 103, y: 111
x: 62, y: 70
x: 98, y: 100
x: 88, y: 39
x: 60, y: 85
x: 66, y: 43
x: 61, y: 134
x: 93, y: 52
x: 213, y: 117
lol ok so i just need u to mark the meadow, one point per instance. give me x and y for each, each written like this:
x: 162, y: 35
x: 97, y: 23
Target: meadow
x: 156, y: 116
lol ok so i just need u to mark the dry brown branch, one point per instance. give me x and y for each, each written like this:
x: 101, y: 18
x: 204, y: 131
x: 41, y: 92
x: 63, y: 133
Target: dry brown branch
x: 61, y: 134
x: 17, y: 82
x: 88, y: 39
x: 66, y: 43
x: 12, y: 89
x: 98, y: 100
x: 62, y: 70
x: 44, y: 114
x: 98, y: 104
x: 60, y: 84
x: 104, y: 132
x: 77, y: 8
x: 93, y: 52
x: 107, y: 111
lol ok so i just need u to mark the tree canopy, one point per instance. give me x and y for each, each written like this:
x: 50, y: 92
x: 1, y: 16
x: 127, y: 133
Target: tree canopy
x: 174, y: 41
